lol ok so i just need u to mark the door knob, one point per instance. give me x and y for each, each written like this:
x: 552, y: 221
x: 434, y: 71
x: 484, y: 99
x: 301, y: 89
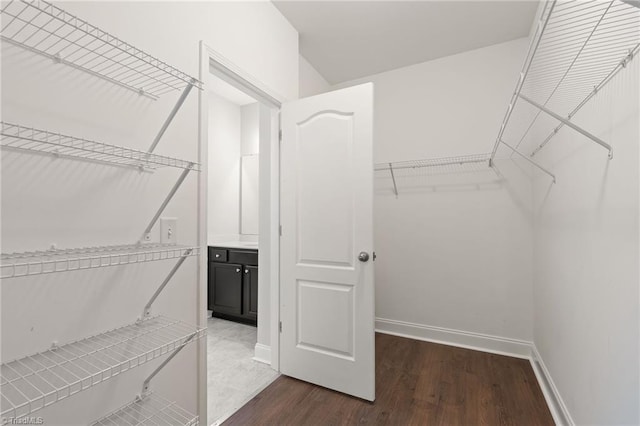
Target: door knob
x: 363, y: 256
x: 237, y: 269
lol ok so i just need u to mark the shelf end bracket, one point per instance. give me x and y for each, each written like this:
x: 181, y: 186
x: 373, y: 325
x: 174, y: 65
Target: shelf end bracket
x: 172, y: 115
x: 147, y: 382
x: 183, y: 176
x: 393, y: 178
x: 529, y: 160
x: 570, y: 124
x: 146, y: 312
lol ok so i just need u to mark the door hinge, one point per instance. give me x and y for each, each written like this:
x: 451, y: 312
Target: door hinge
x: 281, y: 230
x: 280, y: 326
x: 280, y: 135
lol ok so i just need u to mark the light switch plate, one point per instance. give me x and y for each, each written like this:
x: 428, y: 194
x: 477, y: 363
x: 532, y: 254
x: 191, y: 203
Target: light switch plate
x: 169, y: 230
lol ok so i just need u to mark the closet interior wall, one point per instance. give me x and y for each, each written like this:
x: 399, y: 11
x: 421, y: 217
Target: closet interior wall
x: 70, y: 203
x: 455, y: 247
x: 586, y: 257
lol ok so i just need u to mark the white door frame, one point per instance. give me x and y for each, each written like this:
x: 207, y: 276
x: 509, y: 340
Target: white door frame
x: 269, y: 239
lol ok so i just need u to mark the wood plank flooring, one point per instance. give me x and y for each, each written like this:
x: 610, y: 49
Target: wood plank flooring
x: 417, y: 383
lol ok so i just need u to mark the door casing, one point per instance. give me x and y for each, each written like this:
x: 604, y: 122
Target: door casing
x: 212, y: 62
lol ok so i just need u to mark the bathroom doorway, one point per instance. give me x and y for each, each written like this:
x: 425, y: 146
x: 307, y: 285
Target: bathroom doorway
x: 241, y: 196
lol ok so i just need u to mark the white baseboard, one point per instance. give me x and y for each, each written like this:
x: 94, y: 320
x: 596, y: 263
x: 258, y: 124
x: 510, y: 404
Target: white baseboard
x: 464, y: 339
x: 262, y: 353
x: 556, y: 405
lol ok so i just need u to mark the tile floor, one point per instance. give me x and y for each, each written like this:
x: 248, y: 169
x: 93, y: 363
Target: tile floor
x: 233, y: 377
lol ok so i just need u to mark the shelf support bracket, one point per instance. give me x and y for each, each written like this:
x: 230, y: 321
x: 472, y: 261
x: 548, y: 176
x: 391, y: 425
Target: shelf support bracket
x: 147, y: 308
x: 145, y: 385
x: 172, y: 114
x: 393, y: 178
x: 623, y: 64
x: 183, y: 176
x: 570, y: 124
x: 529, y: 160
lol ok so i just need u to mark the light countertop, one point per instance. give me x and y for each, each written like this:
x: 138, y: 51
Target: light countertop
x: 247, y: 245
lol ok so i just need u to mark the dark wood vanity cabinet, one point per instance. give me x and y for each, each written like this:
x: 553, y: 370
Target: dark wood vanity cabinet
x: 233, y: 284
x: 250, y: 292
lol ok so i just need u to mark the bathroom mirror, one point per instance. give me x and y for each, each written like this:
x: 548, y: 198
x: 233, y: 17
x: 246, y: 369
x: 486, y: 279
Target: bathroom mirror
x: 249, y: 196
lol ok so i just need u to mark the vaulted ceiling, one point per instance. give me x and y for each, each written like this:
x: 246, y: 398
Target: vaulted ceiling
x: 345, y: 40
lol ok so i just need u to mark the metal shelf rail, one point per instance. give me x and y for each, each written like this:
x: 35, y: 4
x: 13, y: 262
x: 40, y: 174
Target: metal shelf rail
x: 577, y: 49
x: 149, y: 410
x: 45, y: 29
x: 50, y: 261
x: 31, y: 383
x: 23, y: 138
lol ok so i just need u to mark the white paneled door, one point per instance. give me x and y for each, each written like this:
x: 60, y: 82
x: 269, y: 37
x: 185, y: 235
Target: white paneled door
x: 327, y: 287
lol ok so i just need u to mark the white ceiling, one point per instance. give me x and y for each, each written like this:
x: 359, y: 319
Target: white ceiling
x: 345, y: 40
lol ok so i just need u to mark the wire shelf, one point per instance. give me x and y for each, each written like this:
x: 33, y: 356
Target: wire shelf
x: 149, y: 410
x: 577, y: 49
x: 29, y: 139
x: 443, y: 162
x: 432, y: 166
x: 48, y: 30
x: 31, y: 383
x: 56, y: 260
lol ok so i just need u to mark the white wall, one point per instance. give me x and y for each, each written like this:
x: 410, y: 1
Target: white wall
x: 454, y: 249
x: 78, y: 203
x: 311, y: 81
x: 586, y: 294
x: 249, y: 180
x: 225, y: 130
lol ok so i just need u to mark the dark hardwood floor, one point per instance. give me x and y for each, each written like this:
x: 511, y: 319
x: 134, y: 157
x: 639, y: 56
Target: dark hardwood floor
x: 417, y: 383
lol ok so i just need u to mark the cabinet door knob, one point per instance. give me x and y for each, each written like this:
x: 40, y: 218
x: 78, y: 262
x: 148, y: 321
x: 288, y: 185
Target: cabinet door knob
x: 237, y: 269
x: 217, y: 255
x: 246, y: 271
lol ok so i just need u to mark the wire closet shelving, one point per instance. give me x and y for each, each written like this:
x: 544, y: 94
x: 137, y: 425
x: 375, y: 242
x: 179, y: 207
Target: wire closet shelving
x: 56, y: 260
x: 43, y: 28
x: 24, y: 138
x: 442, y: 164
x: 36, y: 381
x: 578, y: 47
x: 149, y: 410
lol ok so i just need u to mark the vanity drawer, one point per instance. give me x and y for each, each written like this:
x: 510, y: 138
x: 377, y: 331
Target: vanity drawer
x: 218, y: 255
x: 244, y: 257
